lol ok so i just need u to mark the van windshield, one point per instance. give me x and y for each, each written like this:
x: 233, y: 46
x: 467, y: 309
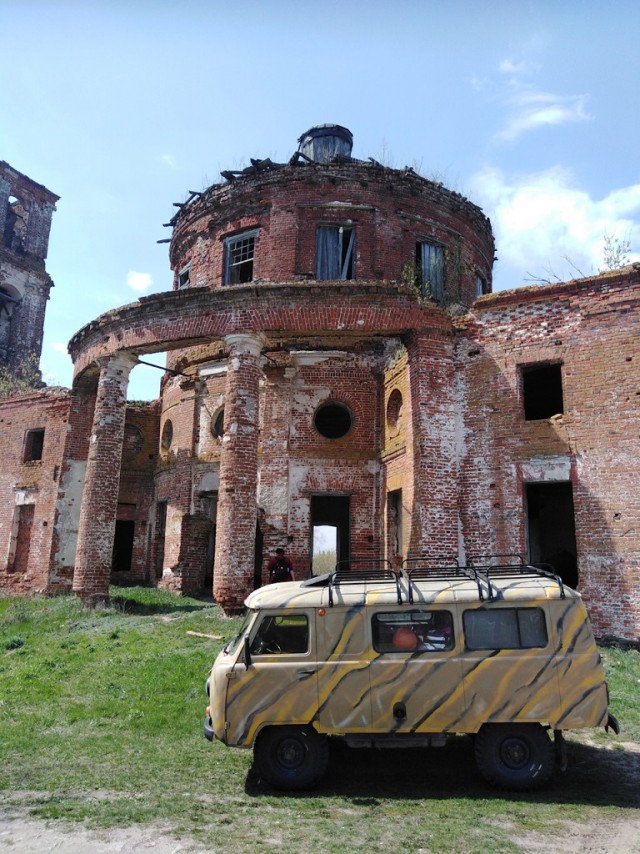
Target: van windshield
x: 237, y: 639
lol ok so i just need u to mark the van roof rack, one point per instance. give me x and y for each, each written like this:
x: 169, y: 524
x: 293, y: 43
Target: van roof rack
x: 496, y: 566
x: 348, y: 572
x: 445, y: 568
x: 483, y: 570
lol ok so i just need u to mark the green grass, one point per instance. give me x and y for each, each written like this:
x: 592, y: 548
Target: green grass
x: 101, y: 721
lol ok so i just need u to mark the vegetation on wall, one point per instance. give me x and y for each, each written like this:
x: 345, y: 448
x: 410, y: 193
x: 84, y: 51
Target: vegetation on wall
x: 24, y: 377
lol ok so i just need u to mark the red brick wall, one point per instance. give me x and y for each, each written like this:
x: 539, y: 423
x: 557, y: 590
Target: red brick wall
x: 390, y: 210
x: 36, y: 483
x: 592, y: 327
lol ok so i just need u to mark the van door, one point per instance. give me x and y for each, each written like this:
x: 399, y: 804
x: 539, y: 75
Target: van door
x: 279, y: 685
x: 416, y: 675
x: 344, y: 655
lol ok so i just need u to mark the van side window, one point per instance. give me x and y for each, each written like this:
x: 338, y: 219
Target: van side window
x: 412, y: 631
x: 282, y: 635
x: 505, y: 628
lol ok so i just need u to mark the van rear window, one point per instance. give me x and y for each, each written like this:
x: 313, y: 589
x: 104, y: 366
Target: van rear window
x: 505, y: 628
x: 412, y: 631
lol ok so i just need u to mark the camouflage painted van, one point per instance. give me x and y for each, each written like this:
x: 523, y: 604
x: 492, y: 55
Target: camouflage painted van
x: 501, y: 652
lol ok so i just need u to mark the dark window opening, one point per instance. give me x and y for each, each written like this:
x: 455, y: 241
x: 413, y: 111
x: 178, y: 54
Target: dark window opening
x: 239, y: 255
x: 209, y: 506
x: 394, y: 524
x: 430, y: 270
x: 123, y: 546
x: 9, y: 301
x: 161, y: 527
x: 542, y: 391
x: 217, y: 424
x: 16, y: 224
x: 551, y: 529
x: 334, y: 252
x: 333, y: 420
x: 21, y: 545
x: 258, y: 556
x: 184, y: 277
x: 33, y: 446
x: 505, y: 628
x: 481, y: 286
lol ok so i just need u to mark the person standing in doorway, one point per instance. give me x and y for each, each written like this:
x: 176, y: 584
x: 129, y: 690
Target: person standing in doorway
x: 280, y: 568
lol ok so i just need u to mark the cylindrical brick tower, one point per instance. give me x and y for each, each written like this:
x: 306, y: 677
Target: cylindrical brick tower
x: 325, y: 401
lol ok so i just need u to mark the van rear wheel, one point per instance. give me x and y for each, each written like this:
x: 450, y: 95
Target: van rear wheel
x: 291, y: 757
x: 514, y: 756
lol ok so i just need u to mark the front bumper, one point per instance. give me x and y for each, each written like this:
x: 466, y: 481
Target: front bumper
x: 612, y: 723
x: 208, y: 728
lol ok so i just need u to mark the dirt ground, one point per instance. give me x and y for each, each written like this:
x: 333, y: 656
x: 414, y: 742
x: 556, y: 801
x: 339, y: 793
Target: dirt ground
x: 20, y: 835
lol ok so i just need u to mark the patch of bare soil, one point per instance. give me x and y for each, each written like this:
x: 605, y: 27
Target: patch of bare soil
x: 595, y: 837
x: 619, y: 835
x: 21, y: 835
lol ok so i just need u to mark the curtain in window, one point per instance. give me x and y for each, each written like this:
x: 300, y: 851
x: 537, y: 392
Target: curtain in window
x: 328, y: 253
x: 432, y: 270
x: 334, y: 252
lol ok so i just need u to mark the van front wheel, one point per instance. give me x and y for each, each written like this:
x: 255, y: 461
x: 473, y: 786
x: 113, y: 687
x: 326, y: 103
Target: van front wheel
x: 291, y: 757
x: 514, y: 756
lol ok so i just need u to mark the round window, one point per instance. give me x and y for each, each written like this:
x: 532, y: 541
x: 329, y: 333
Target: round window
x: 333, y: 420
x: 167, y: 435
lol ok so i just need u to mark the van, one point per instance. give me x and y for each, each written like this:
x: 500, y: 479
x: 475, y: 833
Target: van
x: 503, y: 652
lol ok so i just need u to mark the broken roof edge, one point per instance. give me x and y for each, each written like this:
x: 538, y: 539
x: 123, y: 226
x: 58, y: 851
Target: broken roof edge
x: 16, y: 175
x: 264, y: 170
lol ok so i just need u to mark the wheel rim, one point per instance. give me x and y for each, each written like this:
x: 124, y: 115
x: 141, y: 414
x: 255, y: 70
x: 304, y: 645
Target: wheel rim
x: 291, y: 753
x: 515, y: 753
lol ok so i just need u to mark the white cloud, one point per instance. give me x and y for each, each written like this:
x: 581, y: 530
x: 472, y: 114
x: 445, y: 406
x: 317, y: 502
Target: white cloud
x: 524, y: 66
x: 541, y: 220
x: 167, y: 160
x: 139, y: 281
x: 59, y: 346
x: 532, y: 109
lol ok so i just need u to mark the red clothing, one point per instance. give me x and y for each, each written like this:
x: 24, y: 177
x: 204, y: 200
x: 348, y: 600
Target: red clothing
x: 280, y: 565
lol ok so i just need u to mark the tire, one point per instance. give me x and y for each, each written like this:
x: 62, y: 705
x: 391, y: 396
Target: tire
x: 514, y: 756
x: 291, y: 757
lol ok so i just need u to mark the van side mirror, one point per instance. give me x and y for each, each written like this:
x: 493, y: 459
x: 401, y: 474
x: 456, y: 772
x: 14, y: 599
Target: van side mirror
x: 247, y: 652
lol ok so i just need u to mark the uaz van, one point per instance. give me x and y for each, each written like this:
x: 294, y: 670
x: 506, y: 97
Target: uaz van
x: 502, y: 652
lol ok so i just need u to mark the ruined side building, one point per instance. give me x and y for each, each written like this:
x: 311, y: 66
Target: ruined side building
x: 335, y: 358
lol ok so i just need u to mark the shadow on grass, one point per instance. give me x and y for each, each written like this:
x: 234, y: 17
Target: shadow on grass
x: 595, y: 776
x: 144, y: 601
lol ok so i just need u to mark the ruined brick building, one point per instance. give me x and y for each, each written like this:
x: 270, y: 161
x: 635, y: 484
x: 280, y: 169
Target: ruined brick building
x: 335, y: 358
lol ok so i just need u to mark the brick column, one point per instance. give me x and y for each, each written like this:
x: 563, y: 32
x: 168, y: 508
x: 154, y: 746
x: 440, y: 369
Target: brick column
x: 237, y: 508
x: 96, y: 529
x: 435, y: 447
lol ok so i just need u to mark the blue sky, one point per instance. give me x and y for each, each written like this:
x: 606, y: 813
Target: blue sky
x: 527, y: 108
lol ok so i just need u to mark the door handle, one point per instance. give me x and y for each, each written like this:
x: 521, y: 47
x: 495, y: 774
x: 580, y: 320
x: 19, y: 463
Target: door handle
x: 302, y: 674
